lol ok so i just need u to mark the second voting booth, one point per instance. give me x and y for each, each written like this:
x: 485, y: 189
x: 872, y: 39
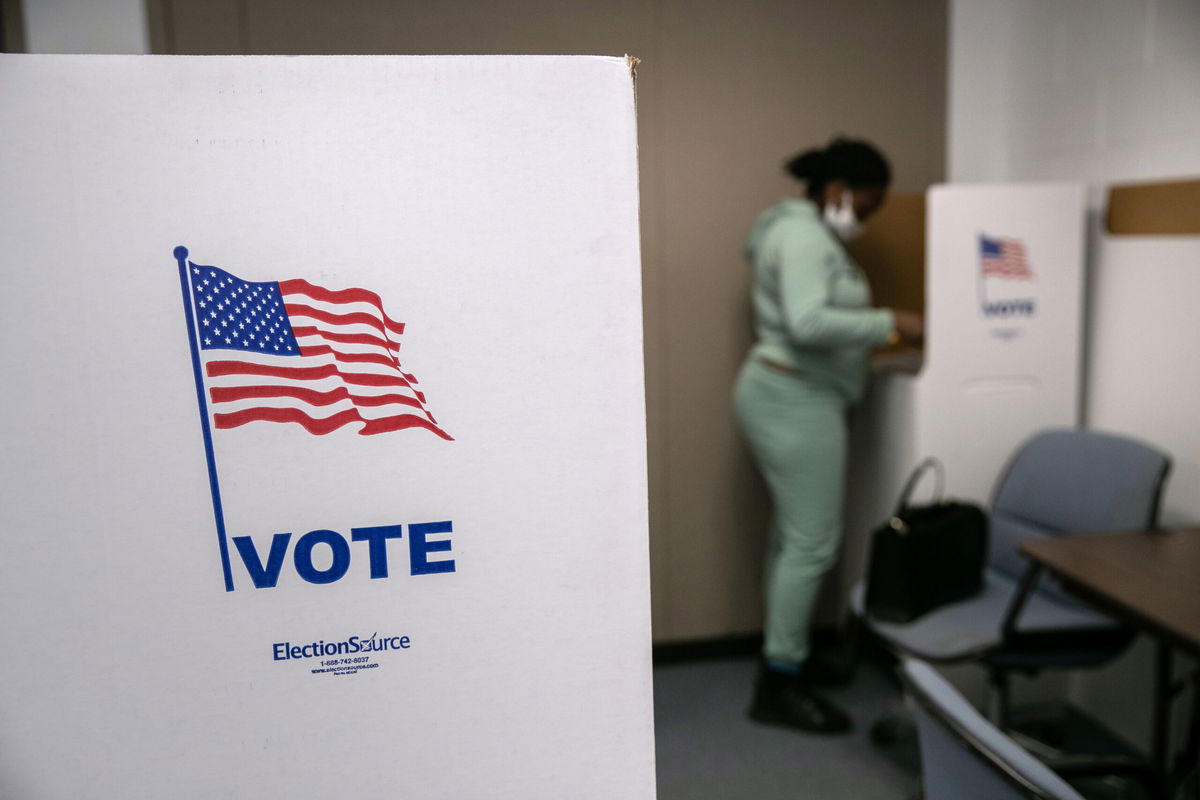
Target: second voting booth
x: 1004, y: 302
x: 998, y: 270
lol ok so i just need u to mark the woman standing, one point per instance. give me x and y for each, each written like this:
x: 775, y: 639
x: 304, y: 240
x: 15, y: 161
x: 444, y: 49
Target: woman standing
x: 815, y: 327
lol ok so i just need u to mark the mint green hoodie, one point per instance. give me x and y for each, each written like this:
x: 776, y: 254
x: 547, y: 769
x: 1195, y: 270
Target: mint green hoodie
x: 812, y: 303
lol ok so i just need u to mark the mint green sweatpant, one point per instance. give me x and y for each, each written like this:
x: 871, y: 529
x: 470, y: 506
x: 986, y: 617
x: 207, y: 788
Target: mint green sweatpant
x: 796, y: 430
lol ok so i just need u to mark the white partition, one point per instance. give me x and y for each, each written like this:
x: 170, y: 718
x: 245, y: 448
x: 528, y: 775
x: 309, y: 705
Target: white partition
x: 234, y: 570
x: 1004, y: 299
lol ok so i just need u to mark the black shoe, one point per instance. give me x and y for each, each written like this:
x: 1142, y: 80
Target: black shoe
x: 786, y: 700
x: 828, y: 669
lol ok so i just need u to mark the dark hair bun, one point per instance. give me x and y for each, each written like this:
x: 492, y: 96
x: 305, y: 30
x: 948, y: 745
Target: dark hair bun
x: 854, y: 161
x: 809, y: 165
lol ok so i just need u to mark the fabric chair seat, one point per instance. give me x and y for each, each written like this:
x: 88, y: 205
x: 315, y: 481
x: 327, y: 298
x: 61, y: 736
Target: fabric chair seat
x: 970, y: 628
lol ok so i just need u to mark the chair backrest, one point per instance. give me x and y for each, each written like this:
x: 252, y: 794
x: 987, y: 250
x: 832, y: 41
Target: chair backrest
x: 1073, y: 481
x: 964, y: 755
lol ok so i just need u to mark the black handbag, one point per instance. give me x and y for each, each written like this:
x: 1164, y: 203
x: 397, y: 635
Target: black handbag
x: 925, y: 556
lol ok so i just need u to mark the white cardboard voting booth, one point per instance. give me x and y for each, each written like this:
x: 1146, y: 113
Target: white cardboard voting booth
x: 323, y: 429
x: 1004, y: 289
x: 1004, y: 298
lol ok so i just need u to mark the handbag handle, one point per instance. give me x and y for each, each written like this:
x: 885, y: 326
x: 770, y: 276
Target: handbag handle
x: 911, y: 484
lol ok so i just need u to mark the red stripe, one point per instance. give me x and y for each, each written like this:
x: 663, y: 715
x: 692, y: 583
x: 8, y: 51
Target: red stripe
x: 397, y: 423
x: 360, y: 358
x: 326, y: 425
x: 217, y: 369
x: 229, y: 394
x: 345, y: 338
x: 342, y: 296
x: 350, y: 358
x: 1006, y: 267
x: 353, y: 318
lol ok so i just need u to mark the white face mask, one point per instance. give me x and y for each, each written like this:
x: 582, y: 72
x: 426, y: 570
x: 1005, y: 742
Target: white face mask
x: 842, y: 220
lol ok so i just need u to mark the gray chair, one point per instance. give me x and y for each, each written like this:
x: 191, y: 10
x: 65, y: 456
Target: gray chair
x: 963, y: 755
x: 1060, y: 481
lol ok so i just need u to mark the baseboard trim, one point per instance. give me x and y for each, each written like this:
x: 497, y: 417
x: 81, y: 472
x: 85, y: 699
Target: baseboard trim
x: 701, y: 649
x: 734, y: 646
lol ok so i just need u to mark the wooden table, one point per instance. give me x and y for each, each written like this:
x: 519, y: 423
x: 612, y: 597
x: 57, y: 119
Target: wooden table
x: 1151, y: 580
x: 1148, y: 579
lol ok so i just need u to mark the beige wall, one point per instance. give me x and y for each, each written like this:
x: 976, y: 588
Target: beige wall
x: 726, y: 91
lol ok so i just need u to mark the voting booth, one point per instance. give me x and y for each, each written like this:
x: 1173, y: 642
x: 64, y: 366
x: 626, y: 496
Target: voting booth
x: 324, y: 436
x: 998, y: 270
x: 1003, y: 354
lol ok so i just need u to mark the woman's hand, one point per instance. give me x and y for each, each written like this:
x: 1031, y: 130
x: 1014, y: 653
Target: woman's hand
x: 910, y: 325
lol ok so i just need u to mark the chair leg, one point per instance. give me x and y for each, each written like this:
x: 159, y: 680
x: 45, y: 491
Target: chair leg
x: 861, y: 644
x: 893, y: 728
x: 999, y: 708
x: 1186, y: 769
x: 998, y: 705
x: 853, y: 636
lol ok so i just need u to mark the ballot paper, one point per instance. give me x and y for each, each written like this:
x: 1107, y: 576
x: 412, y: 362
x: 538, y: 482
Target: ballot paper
x: 323, y: 430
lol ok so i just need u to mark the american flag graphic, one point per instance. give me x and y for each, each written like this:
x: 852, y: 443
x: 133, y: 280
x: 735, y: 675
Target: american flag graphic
x: 290, y: 351
x: 1004, y: 258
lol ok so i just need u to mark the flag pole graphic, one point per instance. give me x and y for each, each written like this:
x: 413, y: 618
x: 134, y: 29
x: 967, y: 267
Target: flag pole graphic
x: 979, y: 280
x: 181, y: 255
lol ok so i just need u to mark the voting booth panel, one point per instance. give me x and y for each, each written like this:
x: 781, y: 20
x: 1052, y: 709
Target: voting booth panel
x: 1004, y: 295
x: 891, y: 251
x: 324, y: 439
x: 998, y: 270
